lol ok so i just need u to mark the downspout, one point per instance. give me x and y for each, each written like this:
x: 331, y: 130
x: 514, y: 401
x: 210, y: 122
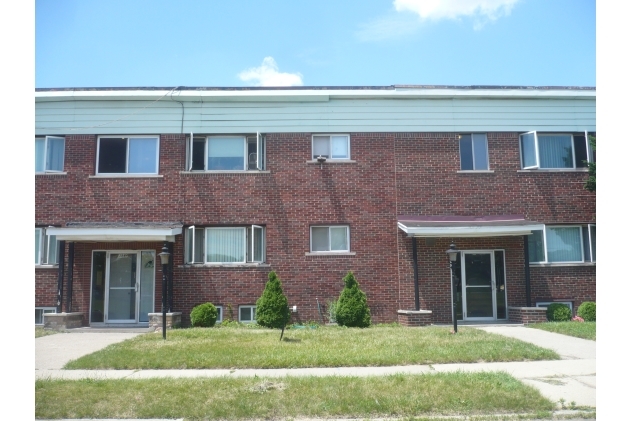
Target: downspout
x: 417, y: 304
x: 61, y: 257
x: 70, y: 276
x: 170, y: 280
x: 527, y: 271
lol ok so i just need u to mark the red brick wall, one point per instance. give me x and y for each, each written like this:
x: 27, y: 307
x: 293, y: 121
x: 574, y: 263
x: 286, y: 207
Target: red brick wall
x: 394, y: 174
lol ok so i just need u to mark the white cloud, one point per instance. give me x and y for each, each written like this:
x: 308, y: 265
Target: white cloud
x: 267, y: 74
x: 481, y: 10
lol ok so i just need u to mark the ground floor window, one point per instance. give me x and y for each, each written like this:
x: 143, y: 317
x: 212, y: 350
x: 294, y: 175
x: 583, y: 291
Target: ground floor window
x: 45, y: 247
x: 247, y: 314
x: 225, y: 245
x: 563, y: 244
x: 39, y: 314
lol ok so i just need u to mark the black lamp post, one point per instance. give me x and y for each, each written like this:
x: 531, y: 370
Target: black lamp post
x: 453, y: 255
x: 164, y: 257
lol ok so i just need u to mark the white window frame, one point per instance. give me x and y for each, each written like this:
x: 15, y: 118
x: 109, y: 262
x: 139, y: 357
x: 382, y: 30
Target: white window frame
x: 127, y: 138
x: 219, y: 314
x: 473, y: 151
x: 547, y: 303
x: 63, y: 154
x: 45, y: 310
x: 348, y: 239
x: 252, y: 314
x: 190, y: 239
x: 582, y: 244
x: 330, y: 136
x: 43, y: 257
x: 260, y: 151
x: 589, y: 150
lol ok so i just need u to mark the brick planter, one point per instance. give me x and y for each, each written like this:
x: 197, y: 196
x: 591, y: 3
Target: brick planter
x: 62, y: 321
x: 174, y: 320
x: 527, y: 315
x: 413, y: 318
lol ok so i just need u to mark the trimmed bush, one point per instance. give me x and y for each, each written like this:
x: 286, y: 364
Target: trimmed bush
x: 558, y: 312
x: 272, y: 307
x: 204, y: 315
x: 352, y: 307
x: 587, y: 311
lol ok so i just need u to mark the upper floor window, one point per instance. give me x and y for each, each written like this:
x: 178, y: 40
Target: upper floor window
x: 226, y: 153
x: 474, y: 154
x: 330, y: 238
x: 127, y: 155
x: 45, y: 247
x: 336, y: 146
x: 555, y: 150
x: 563, y: 244
x: 225, y: 244
x: 49, y: 154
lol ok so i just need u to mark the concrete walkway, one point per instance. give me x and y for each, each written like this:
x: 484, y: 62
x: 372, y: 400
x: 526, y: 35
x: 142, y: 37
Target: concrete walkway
x: 573, y: 378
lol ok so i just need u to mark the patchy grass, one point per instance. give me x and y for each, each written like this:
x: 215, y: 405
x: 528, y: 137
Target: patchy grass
x: 40, y: 331
x: 199, y: 348
x: 584, y: 330
x: 260, y: 398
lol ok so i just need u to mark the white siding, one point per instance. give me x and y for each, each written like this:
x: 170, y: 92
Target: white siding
x: 336, y: 115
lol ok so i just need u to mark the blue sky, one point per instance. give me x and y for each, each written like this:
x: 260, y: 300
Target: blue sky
x: 122, y: 43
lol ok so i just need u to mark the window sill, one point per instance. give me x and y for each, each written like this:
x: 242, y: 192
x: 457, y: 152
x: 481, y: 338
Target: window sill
x: 330, y: 253
x: 126, y: 176
x: 475, y: 172
x: 50, y: 174
x: 232, y: 172
x: 55, y: 266
x: 535, y: 170
x: 225, y: 265
x: 562, y: 264
x: 333, y: 161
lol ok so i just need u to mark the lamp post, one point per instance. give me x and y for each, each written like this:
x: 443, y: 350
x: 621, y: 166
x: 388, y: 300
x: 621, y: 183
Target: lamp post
x: 453, y: 255
x: 164, y: 257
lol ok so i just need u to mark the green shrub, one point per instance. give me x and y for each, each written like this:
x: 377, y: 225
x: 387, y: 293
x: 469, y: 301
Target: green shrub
x: 558, y: 312
x: 272, y: 307
x: 587, y: 311
x: 204, y: 315
x: 352, y: 308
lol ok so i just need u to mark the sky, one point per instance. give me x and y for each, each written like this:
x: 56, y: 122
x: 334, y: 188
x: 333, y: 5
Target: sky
x: 123, y: 43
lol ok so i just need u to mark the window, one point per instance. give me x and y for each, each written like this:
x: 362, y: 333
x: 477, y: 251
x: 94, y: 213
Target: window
x: 45, y: 248
x: 226, y: 153
x: 474, y: 152
x: 331, y: 146
x: 563, y: 244
x: 127, y: 155
x: 219, y: 314
x: 546, y: 304
x: 555, y: 150
x: 49, y: 154
x: 225, y: 244
x: 247, y: 314
x: 332, y: 239
x: 39, y: 314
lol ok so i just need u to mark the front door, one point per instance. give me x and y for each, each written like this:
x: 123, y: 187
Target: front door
x: 478, y: 286
x: 128, y: 291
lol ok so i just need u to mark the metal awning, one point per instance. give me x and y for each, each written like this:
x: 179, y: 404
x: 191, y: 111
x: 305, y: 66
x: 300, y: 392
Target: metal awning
x: 467, y: 226
x: 117, y: 231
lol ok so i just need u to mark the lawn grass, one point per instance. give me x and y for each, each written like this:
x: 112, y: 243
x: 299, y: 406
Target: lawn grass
x: 584, y: 330
x: 259, y: 398
x: 40, y: 331
x: 199, y: 348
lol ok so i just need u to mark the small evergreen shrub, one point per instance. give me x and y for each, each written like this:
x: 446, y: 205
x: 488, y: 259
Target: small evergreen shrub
x: 587, y: 311
x: 204, y: 315
x: 352, y: 307
x: 558, y: 312
x: 272, y: 307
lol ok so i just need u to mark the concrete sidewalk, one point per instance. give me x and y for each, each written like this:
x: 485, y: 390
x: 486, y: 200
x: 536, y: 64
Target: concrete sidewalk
x: 573, y: 378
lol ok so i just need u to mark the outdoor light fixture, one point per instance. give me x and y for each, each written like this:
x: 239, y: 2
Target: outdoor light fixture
x: 453, y: 255
x: 164, y: 258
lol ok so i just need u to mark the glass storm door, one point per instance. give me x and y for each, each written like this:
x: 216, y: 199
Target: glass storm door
x: 478, y: 275
x: 122, y: 289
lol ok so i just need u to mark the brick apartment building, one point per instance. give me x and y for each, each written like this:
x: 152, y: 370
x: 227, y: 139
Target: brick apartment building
x: 311, y: 183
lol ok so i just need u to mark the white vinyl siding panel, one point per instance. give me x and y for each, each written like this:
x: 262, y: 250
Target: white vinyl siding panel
x: 337, y: 115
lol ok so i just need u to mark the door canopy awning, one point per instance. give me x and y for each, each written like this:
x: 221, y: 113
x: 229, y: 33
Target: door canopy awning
x: 133, y: 231
x: 467, y: 226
